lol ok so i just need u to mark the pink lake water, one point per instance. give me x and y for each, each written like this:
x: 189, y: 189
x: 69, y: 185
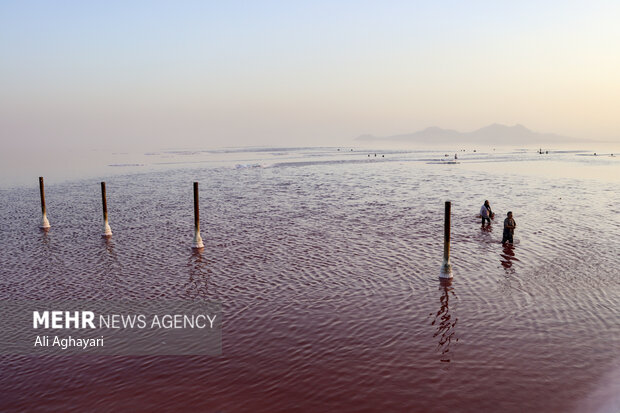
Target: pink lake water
x: 326, y: 263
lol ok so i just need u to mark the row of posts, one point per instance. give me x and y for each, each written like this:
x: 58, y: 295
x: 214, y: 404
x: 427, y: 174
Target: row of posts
x: 107, y: 231
x: 445, y: 274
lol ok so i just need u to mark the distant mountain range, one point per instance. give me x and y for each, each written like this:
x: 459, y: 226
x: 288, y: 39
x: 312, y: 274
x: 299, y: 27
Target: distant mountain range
x: 494, y: 134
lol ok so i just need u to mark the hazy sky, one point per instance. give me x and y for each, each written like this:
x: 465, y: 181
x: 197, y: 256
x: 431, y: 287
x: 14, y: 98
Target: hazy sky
x: 221, y: 73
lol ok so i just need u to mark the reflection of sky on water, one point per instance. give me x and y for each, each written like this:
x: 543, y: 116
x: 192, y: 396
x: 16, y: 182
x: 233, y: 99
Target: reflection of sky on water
x: 327, y: 268
x: 21, y: 169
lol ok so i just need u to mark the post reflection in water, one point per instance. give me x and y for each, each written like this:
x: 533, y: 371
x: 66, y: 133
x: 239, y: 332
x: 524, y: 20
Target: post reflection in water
x: 45, y: 237
x: 109, y: 246
x: 445, y: 322
x: 197, y: 285
x: 109, y: 263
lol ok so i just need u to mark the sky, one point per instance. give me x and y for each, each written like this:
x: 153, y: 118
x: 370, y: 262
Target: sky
x: 155, y: 74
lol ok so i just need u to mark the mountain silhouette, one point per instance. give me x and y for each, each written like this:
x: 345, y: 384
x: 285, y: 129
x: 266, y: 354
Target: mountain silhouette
x: 495, y: 134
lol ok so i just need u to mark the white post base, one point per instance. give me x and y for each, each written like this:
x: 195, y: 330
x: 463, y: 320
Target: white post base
x: 107, y: 231
x: 45, y: 224
x: 197, y: 243
x: 446, y: 270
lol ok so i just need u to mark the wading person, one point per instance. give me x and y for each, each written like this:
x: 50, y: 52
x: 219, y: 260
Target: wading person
x: 509, y: 228
x: 486, y: 213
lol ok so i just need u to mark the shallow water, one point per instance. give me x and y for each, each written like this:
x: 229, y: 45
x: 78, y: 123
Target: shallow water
x: 326, y: 265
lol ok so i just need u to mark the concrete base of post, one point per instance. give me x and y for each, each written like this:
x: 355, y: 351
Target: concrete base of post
x: 106, y: 231
x: 197, y: 243
x: 45, y: 224
x: 446, y: 270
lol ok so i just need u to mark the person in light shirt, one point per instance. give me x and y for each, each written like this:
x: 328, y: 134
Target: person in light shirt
x: 486, y: 213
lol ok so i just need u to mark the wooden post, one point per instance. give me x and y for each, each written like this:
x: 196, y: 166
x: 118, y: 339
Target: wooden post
x: 45, y: 224
x: 446, y: 268
x: 107, y: 231
x: 197, y: 243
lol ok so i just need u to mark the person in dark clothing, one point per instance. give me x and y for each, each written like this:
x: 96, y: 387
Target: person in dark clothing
x: 509, y: 228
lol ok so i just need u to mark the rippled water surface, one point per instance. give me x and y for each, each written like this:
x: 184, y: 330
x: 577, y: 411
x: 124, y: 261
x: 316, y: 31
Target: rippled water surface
x: 326, y: 265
